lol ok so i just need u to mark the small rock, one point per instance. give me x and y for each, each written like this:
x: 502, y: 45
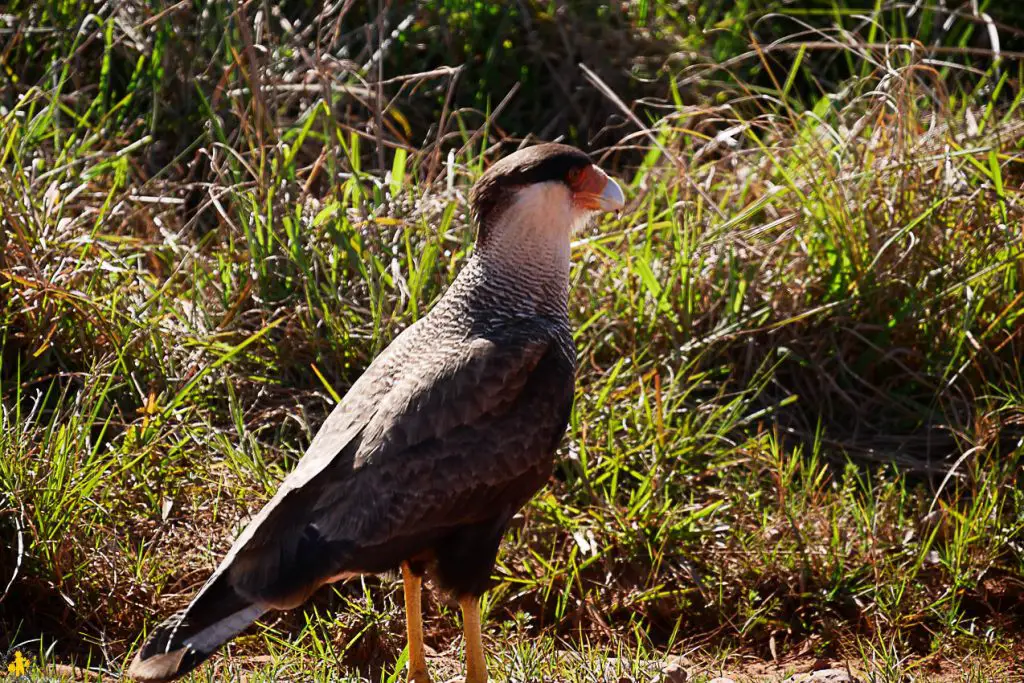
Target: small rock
x: 721, y: 679
x: 673, y: 673
x: 824, y: 676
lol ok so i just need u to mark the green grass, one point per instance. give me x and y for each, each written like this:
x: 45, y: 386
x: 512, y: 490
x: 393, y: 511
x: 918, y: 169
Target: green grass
x: 799, y: 420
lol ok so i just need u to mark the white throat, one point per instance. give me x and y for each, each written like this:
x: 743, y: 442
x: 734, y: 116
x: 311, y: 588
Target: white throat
x: 532, y: 236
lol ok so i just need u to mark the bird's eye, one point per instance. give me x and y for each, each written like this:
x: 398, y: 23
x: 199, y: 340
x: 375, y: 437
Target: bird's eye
x: 573, y: 176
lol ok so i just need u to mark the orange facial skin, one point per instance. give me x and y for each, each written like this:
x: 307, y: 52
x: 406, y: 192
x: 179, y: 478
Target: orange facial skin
x: 587, y: 185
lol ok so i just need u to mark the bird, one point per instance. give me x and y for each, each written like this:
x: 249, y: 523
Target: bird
x: 448, y: 432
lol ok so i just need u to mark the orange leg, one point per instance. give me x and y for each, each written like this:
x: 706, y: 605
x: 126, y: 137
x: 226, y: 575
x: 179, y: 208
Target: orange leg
x: 414, y: 626
x: 476, y: 664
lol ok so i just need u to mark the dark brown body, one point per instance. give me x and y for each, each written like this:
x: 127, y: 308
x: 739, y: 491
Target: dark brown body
x: 433, y: 476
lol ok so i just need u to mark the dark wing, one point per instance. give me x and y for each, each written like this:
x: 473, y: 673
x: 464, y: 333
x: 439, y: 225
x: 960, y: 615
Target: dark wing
x: 432, y: 436
x: 450, y: 443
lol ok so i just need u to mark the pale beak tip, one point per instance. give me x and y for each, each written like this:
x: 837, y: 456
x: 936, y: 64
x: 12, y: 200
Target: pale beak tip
x: 612, y: 198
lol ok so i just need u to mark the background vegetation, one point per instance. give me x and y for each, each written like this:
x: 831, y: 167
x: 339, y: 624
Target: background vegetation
x: 798, y: 429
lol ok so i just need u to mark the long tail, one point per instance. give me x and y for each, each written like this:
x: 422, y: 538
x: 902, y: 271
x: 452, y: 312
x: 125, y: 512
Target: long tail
x: 185, y: 640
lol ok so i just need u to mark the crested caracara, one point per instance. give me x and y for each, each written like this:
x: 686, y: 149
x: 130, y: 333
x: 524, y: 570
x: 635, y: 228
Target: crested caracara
x: 437, y: 445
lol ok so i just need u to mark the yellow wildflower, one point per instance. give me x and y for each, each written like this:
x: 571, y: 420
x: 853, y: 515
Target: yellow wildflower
x: 19, y: 665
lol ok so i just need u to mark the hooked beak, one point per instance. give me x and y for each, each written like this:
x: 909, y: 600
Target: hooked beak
x: 597, y: 192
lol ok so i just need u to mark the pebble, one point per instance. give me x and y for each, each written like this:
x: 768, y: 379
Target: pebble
x: 673, y: 673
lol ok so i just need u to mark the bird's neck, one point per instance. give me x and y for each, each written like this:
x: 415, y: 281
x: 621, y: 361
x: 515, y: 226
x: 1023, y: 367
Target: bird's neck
x: 527, y: 258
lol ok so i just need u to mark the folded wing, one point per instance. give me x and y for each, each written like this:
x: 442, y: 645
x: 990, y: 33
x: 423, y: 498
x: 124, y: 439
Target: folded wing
x: 430, y: 438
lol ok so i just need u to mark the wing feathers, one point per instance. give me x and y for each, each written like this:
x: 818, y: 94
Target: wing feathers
x: 418, y: 446
x: 186, y: 639
x: 416, y: 457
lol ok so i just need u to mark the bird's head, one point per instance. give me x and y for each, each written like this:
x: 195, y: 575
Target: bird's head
x: 536, y: 197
